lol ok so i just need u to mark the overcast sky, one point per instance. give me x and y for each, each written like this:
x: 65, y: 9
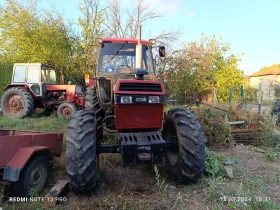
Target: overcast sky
x: 249, y: 26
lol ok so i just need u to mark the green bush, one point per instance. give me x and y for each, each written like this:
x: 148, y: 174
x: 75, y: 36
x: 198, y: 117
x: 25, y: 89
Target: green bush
x: 277, y: 92
x: 214, y: 167
x: 6, y: 70
x: 250, y: 94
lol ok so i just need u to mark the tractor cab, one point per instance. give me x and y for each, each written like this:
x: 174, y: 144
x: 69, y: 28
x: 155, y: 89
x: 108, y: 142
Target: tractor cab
x: 118, y: 56
x: 35, y: 76
x: 117, y: 60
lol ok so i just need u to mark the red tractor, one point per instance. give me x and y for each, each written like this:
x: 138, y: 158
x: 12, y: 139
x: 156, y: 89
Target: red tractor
x: 34, y: 85
x: 125, y: 98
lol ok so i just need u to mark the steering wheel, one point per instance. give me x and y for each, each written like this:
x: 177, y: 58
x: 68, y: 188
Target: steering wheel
x: 120, y: 67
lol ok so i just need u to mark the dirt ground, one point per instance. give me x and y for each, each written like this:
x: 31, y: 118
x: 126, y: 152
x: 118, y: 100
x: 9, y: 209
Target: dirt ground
x: 139, y: 188
x: 255, y: 185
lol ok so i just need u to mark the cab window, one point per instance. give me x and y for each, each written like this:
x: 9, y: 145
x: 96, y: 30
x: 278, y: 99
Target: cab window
x: 19, y: 74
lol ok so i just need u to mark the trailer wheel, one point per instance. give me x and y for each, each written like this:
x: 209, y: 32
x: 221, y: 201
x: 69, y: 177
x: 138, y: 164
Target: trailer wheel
x: 66, y: 110
x: 17, y: 103
x: 34, y: 176
x: 187, y: 160
x: 81, y: 158
x: 92, y: 103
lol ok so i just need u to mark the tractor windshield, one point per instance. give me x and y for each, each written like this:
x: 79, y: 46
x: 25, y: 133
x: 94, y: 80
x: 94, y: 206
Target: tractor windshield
x: 121, y: 58
x: 48, y: 75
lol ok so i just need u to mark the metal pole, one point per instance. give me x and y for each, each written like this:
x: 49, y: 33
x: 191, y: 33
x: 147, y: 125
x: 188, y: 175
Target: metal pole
x: 139, y: 49
x: 230, y: 95
x: 259, y: 97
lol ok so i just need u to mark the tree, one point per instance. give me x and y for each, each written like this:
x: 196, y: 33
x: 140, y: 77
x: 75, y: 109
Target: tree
x: 83, y: 54
x: 200, y: 67
x: 123, y: 22
x: 32, y: 35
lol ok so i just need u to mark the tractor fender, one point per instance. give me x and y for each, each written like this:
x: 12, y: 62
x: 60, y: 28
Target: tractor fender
x: 24, y: 86
x: 16, y: 85
x: 19, y: 160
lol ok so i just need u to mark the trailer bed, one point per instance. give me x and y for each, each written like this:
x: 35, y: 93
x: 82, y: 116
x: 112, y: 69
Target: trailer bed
x: 11, y: 141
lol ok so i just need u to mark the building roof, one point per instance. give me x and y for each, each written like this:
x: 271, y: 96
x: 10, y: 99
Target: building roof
x: 272, y: 70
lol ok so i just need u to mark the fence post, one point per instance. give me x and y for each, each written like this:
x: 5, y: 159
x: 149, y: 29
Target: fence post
x: 259, y: 97
x: 230, y: 95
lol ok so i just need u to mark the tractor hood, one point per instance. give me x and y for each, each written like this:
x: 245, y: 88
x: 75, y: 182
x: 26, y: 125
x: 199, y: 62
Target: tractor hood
x: 139, y: 87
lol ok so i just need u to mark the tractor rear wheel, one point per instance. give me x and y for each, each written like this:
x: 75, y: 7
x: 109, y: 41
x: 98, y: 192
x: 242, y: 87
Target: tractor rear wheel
x: 81, y: 158
x: 92, y: 103
x: 66, y: 110
x: 17, y: 103
x: 187, y: 160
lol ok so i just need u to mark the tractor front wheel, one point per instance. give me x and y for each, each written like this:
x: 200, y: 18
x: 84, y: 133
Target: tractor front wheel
x: 66, y: 110
x: 187, y: 160
x: 81, y: 158
x: 17, y: 103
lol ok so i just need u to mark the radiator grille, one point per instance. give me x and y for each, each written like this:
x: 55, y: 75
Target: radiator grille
x: 140, y: 87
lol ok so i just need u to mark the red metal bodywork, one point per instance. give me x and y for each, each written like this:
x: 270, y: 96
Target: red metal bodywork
x: 91, y: 82
x: 24, y: 86
x: 138, y: 116
x: 70, y: 93
x: 16, y: 147
x: 17, y: 85
x: 134, y: 116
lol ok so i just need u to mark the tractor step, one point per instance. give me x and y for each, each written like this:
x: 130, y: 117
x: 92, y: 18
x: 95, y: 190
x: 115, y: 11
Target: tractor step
x: 144, y: 147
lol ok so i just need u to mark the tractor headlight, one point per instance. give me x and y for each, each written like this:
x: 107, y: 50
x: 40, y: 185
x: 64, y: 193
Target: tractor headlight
x: 154, y: 99
x: 126, y: 99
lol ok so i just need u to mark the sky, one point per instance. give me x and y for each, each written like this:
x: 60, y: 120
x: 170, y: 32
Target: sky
x: 249, y: 26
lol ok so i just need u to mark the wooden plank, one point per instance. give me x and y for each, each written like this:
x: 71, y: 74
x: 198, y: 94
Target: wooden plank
x: 57, y: 191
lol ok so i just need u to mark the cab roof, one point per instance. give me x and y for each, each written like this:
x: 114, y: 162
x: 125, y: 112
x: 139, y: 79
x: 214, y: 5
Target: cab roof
x: 129, y: 40
x: 38, y: 64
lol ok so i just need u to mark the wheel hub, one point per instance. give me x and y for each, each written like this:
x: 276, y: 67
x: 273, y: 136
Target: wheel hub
x: 36, y: 176
x: 67, y: 111
x: 15, y: 104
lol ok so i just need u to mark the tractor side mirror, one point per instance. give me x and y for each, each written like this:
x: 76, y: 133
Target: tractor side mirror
x: 161, y: 51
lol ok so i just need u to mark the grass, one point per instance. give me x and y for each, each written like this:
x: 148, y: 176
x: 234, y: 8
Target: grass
x: 251, y: 188
x: 44, y: 124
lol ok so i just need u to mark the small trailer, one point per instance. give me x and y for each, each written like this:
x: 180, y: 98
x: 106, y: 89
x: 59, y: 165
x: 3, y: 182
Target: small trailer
x: 25, y: 158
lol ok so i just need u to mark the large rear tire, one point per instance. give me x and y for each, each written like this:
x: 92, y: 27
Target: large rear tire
x: 17, y: 103
x: 81, y: 158
x: 92, y: 103
x: 187, y: 160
